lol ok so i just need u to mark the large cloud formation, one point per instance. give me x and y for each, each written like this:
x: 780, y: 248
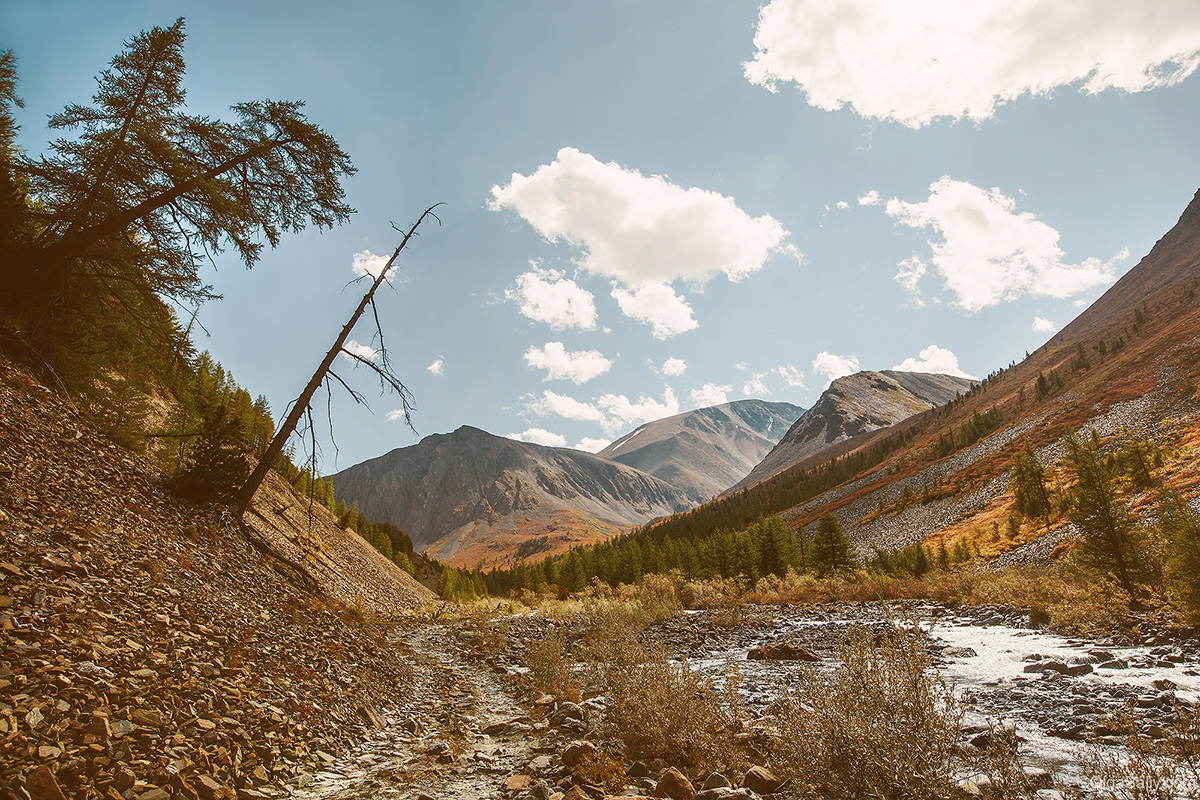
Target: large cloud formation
x: 914, y: 62
x: 642, y: 232
x: 989, y: 252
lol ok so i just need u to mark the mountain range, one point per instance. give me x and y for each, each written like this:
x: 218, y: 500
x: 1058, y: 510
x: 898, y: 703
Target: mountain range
x: 471, y: 498
x: 852, y: 405
x: 707, y: 450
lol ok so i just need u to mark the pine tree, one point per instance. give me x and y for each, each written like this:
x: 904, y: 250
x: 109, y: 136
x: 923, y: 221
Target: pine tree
x: 831, y: 548
x: 1102, y: 515
x: 1028, y: 483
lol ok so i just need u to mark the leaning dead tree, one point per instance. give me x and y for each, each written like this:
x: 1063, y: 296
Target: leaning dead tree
x: 303, y: 404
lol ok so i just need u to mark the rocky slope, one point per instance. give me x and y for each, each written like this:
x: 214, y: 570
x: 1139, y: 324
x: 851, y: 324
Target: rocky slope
x: 706, y: 451
x: 921, y: 480
x: 856, y: 404
x: 469, y: 496
x: 155, y: 649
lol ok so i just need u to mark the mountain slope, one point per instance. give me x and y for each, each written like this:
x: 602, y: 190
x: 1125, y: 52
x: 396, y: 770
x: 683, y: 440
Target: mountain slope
x: 942, y: 477
x: 469, y: 496
x: 706, y: 451
x: 856, y: 404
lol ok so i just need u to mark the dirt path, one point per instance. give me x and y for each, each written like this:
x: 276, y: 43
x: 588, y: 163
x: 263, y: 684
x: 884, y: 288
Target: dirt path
x: 459, y: 736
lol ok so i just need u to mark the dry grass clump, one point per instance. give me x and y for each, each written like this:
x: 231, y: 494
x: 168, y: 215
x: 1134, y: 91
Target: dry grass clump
x: 1060, y: 595
x: 879, y: 726
x: 663, y: 709
x: 1152, y: 769
x: 551, y: 670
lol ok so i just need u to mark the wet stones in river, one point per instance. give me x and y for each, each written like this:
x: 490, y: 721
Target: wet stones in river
x: 1059, y: 666
x: 782, y: 651
x: 959, y: 652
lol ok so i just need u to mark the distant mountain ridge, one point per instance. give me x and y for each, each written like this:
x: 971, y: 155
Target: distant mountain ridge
x: 705, y: 451
x: 855, y: 404
x: 471, y: 496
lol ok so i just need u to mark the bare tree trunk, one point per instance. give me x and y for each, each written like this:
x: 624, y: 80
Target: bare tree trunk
x: 241, y: 501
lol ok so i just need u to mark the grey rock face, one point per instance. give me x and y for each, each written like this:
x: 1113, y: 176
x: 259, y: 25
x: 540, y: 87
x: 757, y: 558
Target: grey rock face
x: 705, y: 451
x: 859, y: 403
x: 449, y: 486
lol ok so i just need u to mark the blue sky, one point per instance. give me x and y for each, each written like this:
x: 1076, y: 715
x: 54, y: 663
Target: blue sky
x: 656, y: 206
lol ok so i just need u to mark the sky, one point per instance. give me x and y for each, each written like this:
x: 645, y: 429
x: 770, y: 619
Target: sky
x: 654, y: 207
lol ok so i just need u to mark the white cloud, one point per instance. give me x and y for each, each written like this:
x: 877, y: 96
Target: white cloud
x: 913, y: 63
x: 792, y: 377
x: 540, y: 436
x: 395, y: 414
x: 1043, y: 325
x: 552, y: 403
x: 646, y: 409
x: 657, y: 304
x: 710, y: 395
x: 871, y: 198
x: 755, y: 386
x: 613, y: 412
x: 934, y: 359
x: 435, y: 368
x: 989, y: 252
x: 590, y: 445
x: 674, y: 367
x: 368, y: 265
x: 833, y: 367
x: 547, y: 296
x: 579, y: 366
x: 360, y: 350
x: 909, y: 273
x: 641, y: 231
x: 842, y: 204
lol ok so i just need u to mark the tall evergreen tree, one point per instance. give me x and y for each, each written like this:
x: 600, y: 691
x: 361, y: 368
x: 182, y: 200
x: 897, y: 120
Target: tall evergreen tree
x: 831, y: 548
x: 1102, y: 515
x: 129, y: 207
x: 1028, y: 482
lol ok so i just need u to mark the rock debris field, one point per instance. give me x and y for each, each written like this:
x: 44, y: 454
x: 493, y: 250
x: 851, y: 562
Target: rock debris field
x: 154, y: 650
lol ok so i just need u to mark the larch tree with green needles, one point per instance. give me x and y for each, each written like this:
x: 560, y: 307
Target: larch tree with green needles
x: 137, y: 193
x: 1102, y: 515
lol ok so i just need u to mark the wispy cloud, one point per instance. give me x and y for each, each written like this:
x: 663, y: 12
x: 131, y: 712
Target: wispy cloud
x: 436, y: 367
x: 360, y: 350
x: 832, y: 367
x: 1043, y: 325
x: 540, y: 436
x: 710, y: 394
x: 674, y: 367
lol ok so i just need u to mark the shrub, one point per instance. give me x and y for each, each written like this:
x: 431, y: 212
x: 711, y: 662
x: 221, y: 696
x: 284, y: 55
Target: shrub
x: 1151, y: 769
x: 880, y: 720
x: 550, y: 668
x: 661, y: 709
